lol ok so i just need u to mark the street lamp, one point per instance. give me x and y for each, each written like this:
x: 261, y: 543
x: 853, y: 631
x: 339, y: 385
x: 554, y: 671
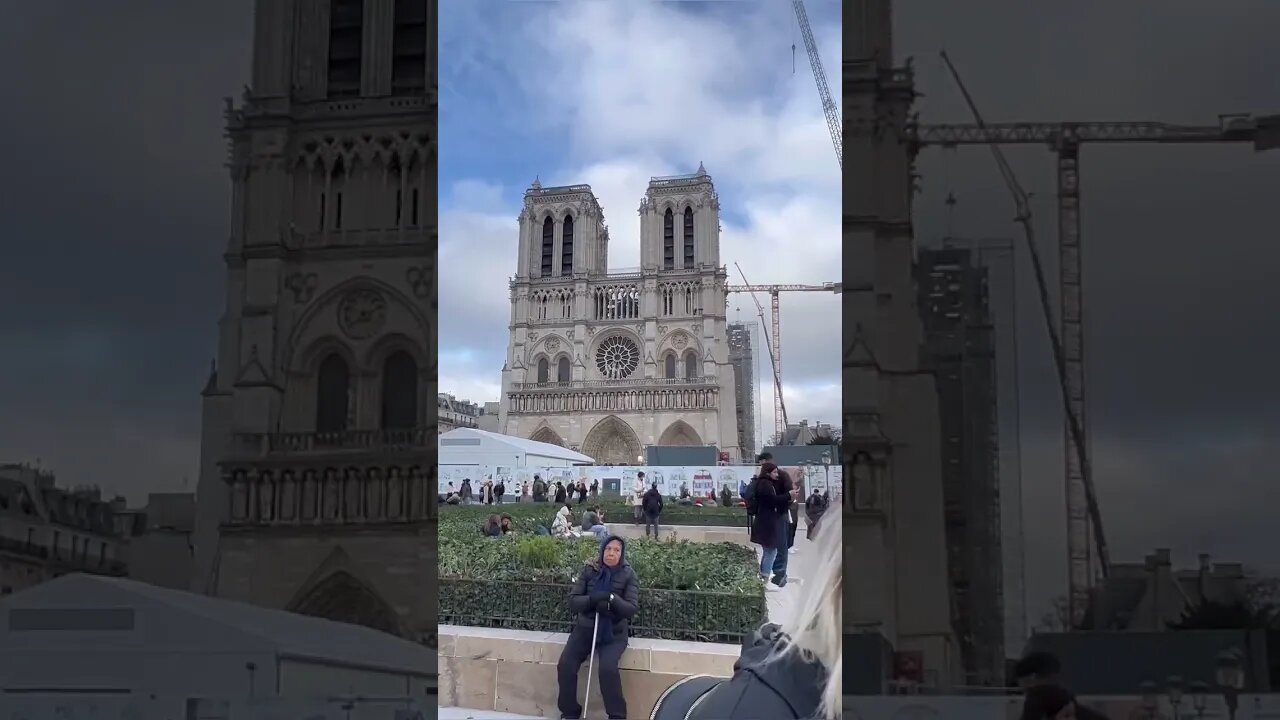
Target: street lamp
x: 1230, y: 676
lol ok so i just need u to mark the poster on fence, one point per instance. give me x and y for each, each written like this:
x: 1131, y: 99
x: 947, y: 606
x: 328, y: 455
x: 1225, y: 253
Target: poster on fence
x: 673, y: 481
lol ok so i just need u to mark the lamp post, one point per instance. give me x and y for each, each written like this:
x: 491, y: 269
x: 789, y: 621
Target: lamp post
x: 1229, y: 673
x: 1199, y: 697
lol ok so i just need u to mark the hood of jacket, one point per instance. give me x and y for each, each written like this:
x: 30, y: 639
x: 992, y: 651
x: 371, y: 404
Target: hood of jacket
x: 797, y: 682
x: 622, y: 561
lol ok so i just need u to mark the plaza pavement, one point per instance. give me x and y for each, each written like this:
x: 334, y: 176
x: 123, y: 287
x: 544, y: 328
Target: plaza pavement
x: 800, y: 567
x: 453, y: 713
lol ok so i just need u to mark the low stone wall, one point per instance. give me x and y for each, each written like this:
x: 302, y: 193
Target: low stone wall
x: 514, y: 671
x: 692, y: 533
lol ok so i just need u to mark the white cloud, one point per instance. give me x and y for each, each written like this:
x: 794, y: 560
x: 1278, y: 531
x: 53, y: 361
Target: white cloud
x: 642, y: 89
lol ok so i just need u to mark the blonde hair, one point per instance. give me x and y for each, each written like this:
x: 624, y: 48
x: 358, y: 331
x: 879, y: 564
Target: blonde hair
x: 817, y: 626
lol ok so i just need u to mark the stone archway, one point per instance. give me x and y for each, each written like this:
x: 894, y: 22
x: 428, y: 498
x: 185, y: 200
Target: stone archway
x: 547, y: 435
x: 342, y: 598
x: 679, y: 433
x: 612, y: 442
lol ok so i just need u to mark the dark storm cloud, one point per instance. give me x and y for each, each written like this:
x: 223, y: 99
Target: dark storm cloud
x: 1179, y: 254
x: 114, y: 204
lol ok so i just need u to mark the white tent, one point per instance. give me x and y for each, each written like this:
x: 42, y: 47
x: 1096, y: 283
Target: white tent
x: 91, y: 634
x: 468, y: 446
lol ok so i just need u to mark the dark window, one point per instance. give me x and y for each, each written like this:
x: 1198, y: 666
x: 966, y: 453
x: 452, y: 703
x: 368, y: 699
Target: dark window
x: 566, y: 247
x: 399, y: 392
x: 688, y: 237
x: 562, y: 372
x: 548, y: 246
x: 668, y: 241
x: 322, y: 224
x: 542, y: 370
x: 346, y: 38
x: 671, y: 366
x: 337, y: 211
x: 413, y: 209
x: 333, y: 395
x: 399, y: 207
x: 409, y: 48
x: 691, y: 366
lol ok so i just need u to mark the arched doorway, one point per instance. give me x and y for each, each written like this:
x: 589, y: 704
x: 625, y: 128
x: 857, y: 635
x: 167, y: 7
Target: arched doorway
x: 680, y: 433
x: 342, y: 598
x: 547, y: 435
x: 612, y: 442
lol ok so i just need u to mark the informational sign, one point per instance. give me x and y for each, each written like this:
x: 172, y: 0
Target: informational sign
x: 698, y: 481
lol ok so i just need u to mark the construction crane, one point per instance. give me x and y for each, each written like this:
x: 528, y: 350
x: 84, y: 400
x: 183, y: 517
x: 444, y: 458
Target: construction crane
x: 819, y: 77
x: 773, y: 339
x: 1065, y: 139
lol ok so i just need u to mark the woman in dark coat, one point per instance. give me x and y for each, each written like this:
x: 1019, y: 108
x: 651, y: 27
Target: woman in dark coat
x: 606, y: 592
x: 767, y: 502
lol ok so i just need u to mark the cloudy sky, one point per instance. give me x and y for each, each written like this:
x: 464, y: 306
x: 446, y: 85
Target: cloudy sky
x: 114, y: 207
x: 610, y: 94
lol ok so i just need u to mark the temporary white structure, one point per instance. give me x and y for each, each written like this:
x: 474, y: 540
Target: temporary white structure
x: 468, y: 446
x: 111, y: 636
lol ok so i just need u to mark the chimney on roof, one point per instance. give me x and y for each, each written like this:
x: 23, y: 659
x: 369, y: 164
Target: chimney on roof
x: 1202, y: 578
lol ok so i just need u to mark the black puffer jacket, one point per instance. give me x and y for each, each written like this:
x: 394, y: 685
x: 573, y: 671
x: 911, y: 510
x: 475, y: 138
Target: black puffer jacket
x: 787, y: 688
x: 626, y: 591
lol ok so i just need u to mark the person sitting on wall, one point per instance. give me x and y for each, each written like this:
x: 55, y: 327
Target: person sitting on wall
x: 593, y: 521
x: 562, y: 526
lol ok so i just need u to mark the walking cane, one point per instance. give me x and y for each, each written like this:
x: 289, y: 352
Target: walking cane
x: 591, y: 661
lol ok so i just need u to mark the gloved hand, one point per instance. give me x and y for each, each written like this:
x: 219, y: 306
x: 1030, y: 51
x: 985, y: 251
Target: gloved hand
x: 604, y: 606
x: 597, y: 597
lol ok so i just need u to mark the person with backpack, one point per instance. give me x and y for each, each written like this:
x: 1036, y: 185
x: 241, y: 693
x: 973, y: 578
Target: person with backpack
x: 652, y: 504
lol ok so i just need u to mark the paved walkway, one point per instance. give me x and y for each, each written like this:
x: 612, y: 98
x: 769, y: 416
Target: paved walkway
x: 453, y: 713
x: 800, y: 566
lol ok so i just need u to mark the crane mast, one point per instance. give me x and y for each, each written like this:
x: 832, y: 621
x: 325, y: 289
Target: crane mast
x: 820, y: 77
x: 1068, y: 338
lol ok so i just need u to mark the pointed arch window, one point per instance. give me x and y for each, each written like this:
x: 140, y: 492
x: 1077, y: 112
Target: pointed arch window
x: 690, y: 365
x: 548, y: 246
x: 333, y: 394
x: 668, y: 241
x: 409, y: 48
x: 670, y: 368
x: 688, y: 237
x: 542, y: 370
x: 399, y: 392
x: 562, y: 370
x: 566, y: 246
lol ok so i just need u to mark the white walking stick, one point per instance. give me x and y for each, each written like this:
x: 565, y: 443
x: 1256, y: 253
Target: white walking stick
x: 591, y: 661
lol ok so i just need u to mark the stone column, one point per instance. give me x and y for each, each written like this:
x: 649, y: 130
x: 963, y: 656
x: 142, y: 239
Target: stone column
x: 376, y: 48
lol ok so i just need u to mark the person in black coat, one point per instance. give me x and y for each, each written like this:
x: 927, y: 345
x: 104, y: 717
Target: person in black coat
x: 652, y: 504
x: 605, y: 597
x: 766, y: 531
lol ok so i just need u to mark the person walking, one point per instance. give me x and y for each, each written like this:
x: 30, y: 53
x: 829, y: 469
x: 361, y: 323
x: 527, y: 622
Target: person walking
x: 524, y: 491
x: 499, y: 490
x: 582, y: 492
x: 464, y: 491
x: 605, y: 598
x: 652, y: 505
x: 814, y: 506
x: 785, y: 671
x: 539, y: 489
x: 561, y: 496
x: 766, y: 528
x: 595, y: 489
x: 637, y: 495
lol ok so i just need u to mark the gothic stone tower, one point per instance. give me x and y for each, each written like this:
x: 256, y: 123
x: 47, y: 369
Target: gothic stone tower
x: 894, y: 533
x: 314, y: 492
x: 609, y: 363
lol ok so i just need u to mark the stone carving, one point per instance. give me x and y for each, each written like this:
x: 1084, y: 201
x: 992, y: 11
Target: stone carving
x: 696, y: 327
x: 362, y: 314
x: 570, y: 334
x: 553, y: 344
x: 533, y: 337
x: 662, y: 329
x: 303, y: 286
x: 680, y: 340
x: 419, y: 281
x: 592, y: 330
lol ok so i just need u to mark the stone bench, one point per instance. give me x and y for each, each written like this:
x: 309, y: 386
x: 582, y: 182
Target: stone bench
x: 514, y: 671
x: 692, y: 533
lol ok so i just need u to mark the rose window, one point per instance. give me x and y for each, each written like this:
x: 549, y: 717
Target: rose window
x: 617, y: 358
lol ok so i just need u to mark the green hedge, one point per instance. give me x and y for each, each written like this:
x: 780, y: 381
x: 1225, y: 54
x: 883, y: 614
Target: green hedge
x: 689, y: 591
x: 615, y: 511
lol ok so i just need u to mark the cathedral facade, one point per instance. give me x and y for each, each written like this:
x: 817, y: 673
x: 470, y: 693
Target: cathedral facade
x: 610, y: 363
x: 314, y: 493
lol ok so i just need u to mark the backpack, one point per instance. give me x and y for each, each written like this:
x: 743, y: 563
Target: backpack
x: 750, y: 496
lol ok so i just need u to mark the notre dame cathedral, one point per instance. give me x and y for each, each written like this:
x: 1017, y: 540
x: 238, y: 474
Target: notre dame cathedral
x: 314, y: 491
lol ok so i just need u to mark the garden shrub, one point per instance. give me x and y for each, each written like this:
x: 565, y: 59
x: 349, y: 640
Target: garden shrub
x: 689, y: 591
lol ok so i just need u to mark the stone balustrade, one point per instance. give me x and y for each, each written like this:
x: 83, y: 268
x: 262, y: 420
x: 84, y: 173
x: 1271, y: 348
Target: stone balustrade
x: 514, y: 671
